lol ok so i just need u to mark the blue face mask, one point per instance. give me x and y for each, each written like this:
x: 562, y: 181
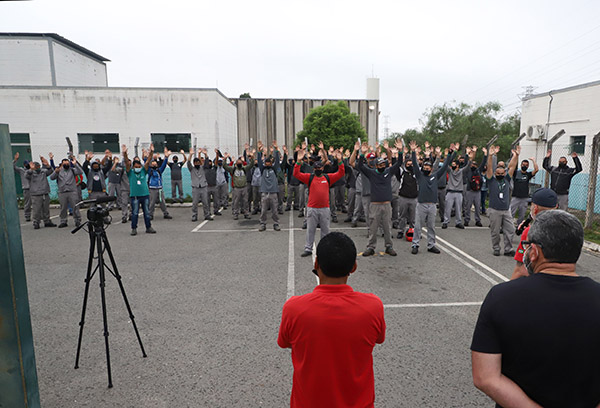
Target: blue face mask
x: 137, y: 169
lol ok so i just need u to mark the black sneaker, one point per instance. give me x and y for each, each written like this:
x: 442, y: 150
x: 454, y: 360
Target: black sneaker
x: 362, y: 219
x: 334, y: 219
x: 262, y: 228
x: 368, y: 252
x: 194, y: 218
x: 150, y: 230
x: 280, y: 212
x: 478, y: 223
x: 466, y: 223
x: 36, y: 226
x: 305, y: 254
x: 276, y: 227
x: 509, y: 253
x: 49, y: 224
x: 300, y: 214
x: 77, y: 223
x: 354, y: 224
x: 348, y: 219
x: 395, y: 225
x: 62, y: 225
x: 414, y: 250
x: 124, y: 220
x: 460, y: 226
x: 444, y: 226
x: 390, y: 251
x: 433, y: 250
x: 217, y: 213
x: 400, y: 235
x: 167, y: 217
x: 133, y: 231
x: 209, y: 218
x: 496, y: 252
x: 27, y: 219
x: 235, y: 217
x: 288, y: 209
x: 246, y: 216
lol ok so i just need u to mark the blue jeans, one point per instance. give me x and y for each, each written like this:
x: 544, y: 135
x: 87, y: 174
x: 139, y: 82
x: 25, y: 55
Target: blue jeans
x: 135, y: 210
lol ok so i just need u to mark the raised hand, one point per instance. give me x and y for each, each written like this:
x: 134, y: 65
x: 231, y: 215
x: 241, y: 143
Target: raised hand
x: 386, y: 145
x: 51, y: 156
x: 356, y: 146
x: 438, y: 150
x: 300, y: 154
x: 484, y: 151
x: 16, y: 156
x: 426, y: 144
x: 123, y: 149
x: 181, y: 151
x: 413, y: 146
x: 398, y: 144
x: 303, y: 145
x: 151, y: 147
x: 364, y: 148
x: 549, y: 153
x: 321, y: 146
x: 574, y: 154
x: 518, y: 149
x: 474, y: 149
x: 284, y: 148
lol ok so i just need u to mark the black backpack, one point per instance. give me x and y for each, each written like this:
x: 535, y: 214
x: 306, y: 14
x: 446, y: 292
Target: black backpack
x: 475, y: 183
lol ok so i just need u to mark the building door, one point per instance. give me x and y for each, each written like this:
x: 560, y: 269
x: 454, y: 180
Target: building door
x: 19, y: 143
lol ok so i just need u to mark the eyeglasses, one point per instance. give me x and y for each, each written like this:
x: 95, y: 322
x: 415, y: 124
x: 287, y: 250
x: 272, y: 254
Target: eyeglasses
x: 527, y: 244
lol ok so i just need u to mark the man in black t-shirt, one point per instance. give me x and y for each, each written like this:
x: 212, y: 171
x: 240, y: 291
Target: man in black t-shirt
x: 520, y: 193
x: 536, y: 339
x: 176, y: 179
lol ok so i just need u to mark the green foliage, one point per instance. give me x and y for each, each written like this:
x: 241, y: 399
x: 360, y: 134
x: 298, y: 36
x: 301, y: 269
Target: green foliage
x: 333, y: 124
x: 245, y: 95
x: 450, y: 123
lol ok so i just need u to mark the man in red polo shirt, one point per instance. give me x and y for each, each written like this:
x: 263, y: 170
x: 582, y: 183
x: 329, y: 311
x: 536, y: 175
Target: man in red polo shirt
x: 332, y: 332
x: 542, y: 199
x: 317, y: 209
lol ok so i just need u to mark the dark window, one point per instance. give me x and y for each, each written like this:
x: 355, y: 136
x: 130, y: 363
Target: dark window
x: 578, y: 144
x: 98, y: 142
x: 173, y: 141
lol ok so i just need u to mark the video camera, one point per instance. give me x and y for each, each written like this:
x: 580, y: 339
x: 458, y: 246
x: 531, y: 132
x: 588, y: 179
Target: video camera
x: 97, y: 214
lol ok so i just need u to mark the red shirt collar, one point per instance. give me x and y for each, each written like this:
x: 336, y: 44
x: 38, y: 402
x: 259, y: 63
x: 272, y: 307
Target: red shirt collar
x: 332, y: 289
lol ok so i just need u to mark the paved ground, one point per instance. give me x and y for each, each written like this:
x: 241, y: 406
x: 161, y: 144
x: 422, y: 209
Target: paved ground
x: 208, y: 305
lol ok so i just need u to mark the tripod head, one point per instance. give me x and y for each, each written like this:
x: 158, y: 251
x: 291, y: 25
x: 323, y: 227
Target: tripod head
x: 97, y: 215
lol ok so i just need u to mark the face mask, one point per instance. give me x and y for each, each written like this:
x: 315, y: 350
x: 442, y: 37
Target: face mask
x: 154, y: 167
x: 66, y: 166
x: 197, y: 166
x: 380, y: 169
x: 454, y: 166
x: 527, y: 263
x: 239, y: 165
x: 524, y: 169
x: 562, y: 165
x: 175, y: 159
x: 267, y: 166
x: 138, y: 169
x: 95, y: 168
x: 426, y: 172
x: 318, y: 173
x: 473, y: 168
x: 499, y: 178
x: 409, y: 168
x: 38, y: 170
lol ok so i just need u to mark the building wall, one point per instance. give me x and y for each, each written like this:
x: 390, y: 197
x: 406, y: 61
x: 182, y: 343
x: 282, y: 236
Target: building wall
x: 282, y: 119
x: 25, y: 62
x: 577, y: 111
x: 75, y: 69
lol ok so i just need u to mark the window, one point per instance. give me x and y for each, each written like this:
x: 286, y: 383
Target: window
x: 578, y: 144
x: 173, y: 141
x: 98, y: 142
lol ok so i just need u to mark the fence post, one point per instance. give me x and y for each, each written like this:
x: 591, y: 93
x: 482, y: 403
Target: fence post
x: 549, y: 147
x: 591, y: 195
x: 18, y: 376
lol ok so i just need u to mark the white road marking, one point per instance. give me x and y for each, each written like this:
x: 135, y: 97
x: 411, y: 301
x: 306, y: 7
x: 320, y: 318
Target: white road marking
x: 202, y: 224
x: 291, y: 274
x: 256, y: 229
x: 468, y: 265
x: 452, y: 304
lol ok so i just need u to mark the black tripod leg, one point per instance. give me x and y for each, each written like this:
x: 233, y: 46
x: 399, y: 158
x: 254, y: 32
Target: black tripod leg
x: 118, y: 276
x: 103, y: 296
x: 88, y: 277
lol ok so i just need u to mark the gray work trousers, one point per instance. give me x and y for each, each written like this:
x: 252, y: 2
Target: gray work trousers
x: 280, y: 196
x: 293, y: 191
x: 66, y: 199
x: 332, y: 202
x: 223, y: 195
x: 256, y: 197
x: 351, y: 201
x: 453, y: 199
x: 519, y: 205
x: 27, y: 204
x: 425, y: 216
x: 176, y: 185
x: 314, y: 217
x: 408, y: 208
x: 501, y: 219
x: 395, y: 209
x: 268, y: 201
x: 200, y: 194
x: 358, y: 206
x: 157, y: 195
x: 123, y: 201
x: 113, y: 191
x: 380, y: 216
x: 214, y: 197
x: 41, y: 208
x: 442, y: 202
x: 366, y: 205
x: 563, y: 202
x: 339, y: 193
x: 239, y: 197
x: 303, y: 196
x: 473, y: 199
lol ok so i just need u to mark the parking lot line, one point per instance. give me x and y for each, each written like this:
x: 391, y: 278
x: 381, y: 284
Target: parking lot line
x: 202, y: 224
x: 451, y: 304
x: 468, y: 265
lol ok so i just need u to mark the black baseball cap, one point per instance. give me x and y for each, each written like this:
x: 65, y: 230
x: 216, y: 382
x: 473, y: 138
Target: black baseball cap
x: 545, y: 197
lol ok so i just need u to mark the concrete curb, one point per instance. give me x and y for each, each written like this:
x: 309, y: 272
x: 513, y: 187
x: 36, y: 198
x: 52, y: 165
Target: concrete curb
x: 591, y: 246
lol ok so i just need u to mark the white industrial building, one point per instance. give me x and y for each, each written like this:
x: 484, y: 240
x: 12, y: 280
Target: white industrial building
x: 574, y: 110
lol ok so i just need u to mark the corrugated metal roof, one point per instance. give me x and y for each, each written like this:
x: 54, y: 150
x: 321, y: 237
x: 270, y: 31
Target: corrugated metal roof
x: 59, y: 39
x: 570, y: 88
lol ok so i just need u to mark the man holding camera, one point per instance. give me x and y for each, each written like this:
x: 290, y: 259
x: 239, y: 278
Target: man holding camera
x: 332, y: 332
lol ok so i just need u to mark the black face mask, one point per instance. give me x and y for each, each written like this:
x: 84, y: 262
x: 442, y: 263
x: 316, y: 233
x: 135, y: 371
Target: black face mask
x: 380, y: 169
x: 154, y: 167
x: 239, y: 165
x: 319, y: 173
x: 409, y: 168
x: 426, y: 172
x: 499, y: 178
x: 267, y: 166
x: 27, y: 166
x: 175, y: 160
x: 473, y: 168
x: 66, y: 166
x: 95, y: 168
x: 524, y: 169
x: 454, y: 167
x: 562, y: 165
x: 197, y: 166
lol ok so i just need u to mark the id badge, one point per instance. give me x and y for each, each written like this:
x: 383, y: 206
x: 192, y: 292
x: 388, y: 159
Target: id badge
x: 140, y: 183
x: 500, y: 196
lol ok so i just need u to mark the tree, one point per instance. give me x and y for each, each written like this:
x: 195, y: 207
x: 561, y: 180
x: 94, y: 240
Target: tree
x: 333, y: 124
x: 245, y: 95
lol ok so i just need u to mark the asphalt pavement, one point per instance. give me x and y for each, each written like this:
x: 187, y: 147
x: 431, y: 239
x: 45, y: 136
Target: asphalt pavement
x: 207, y: 299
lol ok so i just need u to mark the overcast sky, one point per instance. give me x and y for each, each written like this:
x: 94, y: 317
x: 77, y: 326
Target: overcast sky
x: 424, y: 52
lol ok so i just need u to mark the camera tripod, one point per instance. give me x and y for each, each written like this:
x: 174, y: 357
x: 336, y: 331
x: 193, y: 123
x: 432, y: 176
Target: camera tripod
x: 98, y: 245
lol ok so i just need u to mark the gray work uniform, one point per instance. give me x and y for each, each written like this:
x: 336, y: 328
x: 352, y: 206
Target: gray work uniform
x: 123, y: 192
x: 269, y: 189
x: 454, y: 194
x: 199, y: 189
x: 40, y: 190
x: 67, y: 191
x: 26, y: 194
x: 499, y: 213
x: 222, y: 190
